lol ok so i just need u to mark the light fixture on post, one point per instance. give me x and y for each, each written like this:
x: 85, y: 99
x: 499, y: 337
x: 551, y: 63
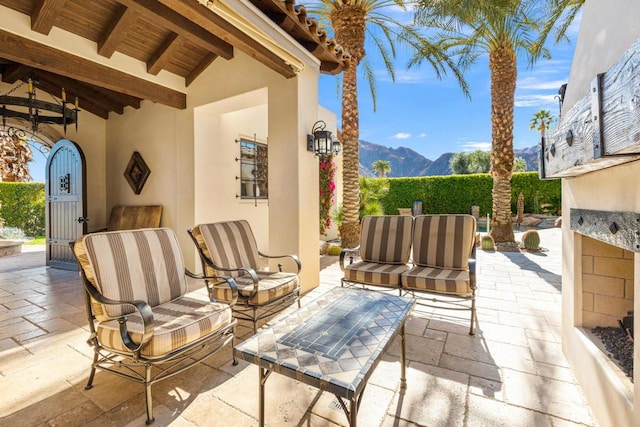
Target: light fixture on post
x: 30, y: 109
x: 321, y: 141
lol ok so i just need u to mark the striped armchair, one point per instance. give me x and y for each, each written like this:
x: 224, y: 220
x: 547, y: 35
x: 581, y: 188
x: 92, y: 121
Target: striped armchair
x: 444, y: 261
x: 385, y: 246
x: 229, y: 249
x: 141, y: 315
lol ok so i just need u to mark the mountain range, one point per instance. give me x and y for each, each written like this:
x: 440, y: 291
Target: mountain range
x: 407, y: 162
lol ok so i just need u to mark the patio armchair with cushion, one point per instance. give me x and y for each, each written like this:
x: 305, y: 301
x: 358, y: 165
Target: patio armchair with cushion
x: 144, y: 324
x: 444, y: 262
x: 384, y: 250
x: 229, y: 249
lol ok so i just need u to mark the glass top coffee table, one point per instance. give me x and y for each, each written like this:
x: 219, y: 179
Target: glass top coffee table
x: 332, y: 343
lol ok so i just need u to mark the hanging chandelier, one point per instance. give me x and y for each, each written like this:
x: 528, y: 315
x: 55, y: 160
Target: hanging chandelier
x: 35, y: 111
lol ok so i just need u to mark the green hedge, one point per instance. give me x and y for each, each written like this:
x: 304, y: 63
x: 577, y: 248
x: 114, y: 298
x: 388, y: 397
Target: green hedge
x: 457, y: 193
x: 23, y: 206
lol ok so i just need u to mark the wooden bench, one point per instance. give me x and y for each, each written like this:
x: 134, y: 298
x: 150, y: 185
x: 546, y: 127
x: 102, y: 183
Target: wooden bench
x: 134, y: 217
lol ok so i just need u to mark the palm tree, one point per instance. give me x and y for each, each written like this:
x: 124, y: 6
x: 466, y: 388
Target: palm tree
x: 352, y: 22
x: 561, y: 15
x: 501, y: 29
x: 381, y: 167
x: 541, y: 121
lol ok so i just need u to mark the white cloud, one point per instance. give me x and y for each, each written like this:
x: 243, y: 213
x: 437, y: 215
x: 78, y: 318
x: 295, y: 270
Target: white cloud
x: 422, y: 135
x: 405, y: 76
x: 535, y: 100
x: 401, y: 135
x: 476, y: 145
x: 534, y: 83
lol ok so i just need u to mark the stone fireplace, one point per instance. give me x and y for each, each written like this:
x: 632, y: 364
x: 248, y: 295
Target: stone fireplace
x: 600, y: 270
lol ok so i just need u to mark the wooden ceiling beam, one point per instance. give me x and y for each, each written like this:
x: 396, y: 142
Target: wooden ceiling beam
x: 86, y: 105
x: 117, y: 31
x: 14, y: 72
x: 81, y: 90
x: 163, y: 54
x: 200, y: 68
x: 199, y: 14
x: 44, y: 15
x: 175, y: 22
x: 37, y: 55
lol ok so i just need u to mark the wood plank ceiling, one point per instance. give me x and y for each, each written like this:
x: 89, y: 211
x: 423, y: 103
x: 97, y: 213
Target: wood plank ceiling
x: 179, y: 36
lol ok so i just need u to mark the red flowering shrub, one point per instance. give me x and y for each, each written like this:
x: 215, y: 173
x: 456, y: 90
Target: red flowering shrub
x: 327, y: 189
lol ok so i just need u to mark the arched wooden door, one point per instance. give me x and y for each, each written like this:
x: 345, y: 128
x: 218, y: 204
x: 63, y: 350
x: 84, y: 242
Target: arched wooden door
x: 66, y: 202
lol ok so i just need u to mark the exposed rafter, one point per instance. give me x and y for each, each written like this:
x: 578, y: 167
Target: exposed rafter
x: 29, y: 52
x: 161, y: 57
x: 182, y: 26
x: 117, y: 31
x: 44, y: 15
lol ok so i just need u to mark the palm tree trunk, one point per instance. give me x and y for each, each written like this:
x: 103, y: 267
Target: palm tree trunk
x: 502, y: 62
x: 349, y: 26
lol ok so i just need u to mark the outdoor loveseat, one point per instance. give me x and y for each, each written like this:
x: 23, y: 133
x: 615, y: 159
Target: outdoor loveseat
x: 229, y: 248
x: 443, y: 261
x: 144, y: 324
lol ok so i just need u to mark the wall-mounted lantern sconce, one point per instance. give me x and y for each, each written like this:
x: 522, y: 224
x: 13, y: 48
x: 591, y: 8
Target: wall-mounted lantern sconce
x: 321, y: 142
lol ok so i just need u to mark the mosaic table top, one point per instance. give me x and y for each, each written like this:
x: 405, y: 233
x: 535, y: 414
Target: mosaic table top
x: 332, y: 343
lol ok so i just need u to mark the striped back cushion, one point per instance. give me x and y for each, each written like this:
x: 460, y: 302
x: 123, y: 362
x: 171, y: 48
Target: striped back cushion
x: 230, y: 244
x: 386, y: 239
x: 443, y: 241
x: 132, y: 265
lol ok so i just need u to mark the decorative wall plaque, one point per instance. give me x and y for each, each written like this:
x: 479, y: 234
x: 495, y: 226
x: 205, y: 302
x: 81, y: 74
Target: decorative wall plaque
x: 137, y: 172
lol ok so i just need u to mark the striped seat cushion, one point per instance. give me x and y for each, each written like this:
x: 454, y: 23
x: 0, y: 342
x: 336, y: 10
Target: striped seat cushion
x: 132, y: 265
x: 271, y: 286
x: 443, y: 241
x: 372, y: 273
x: 177, y: 323
x: 386, y: 239
x: 437, y: 280
x: 229, y: 244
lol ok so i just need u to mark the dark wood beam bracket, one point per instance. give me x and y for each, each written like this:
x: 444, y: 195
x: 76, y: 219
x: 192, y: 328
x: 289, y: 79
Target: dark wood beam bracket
x: 37, y: 55
x: 621, y: 229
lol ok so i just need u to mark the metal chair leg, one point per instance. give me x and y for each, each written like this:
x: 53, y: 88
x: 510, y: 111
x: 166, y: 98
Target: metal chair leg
x: 147, y: 394
x: 255, y: 320
x: 92, y: 375
x: 473, y: 316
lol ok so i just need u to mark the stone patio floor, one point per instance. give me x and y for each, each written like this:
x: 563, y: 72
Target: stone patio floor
x: 512, y: 373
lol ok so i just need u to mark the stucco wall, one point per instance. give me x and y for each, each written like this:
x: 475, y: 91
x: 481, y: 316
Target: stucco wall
x: 191, y: 154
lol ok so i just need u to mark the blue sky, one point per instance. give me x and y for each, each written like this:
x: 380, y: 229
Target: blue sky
x: 433, y: 116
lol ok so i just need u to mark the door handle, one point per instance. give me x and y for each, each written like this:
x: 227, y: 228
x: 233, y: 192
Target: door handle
x: 83, y: 220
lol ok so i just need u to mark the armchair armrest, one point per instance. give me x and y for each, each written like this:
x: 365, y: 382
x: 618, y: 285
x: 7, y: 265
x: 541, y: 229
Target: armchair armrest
x: 293, y: 257
x: 141, y: 307
x: 350, y: 252
x: 228, y: 282
x: 472, y: 273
